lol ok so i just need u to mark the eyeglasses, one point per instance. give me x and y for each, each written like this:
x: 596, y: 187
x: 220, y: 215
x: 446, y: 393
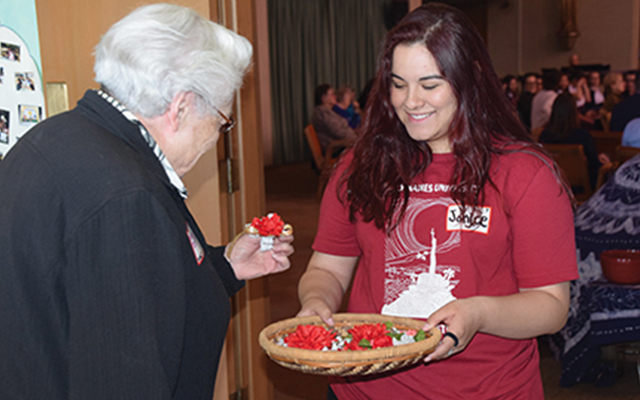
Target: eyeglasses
x: 229, y: 123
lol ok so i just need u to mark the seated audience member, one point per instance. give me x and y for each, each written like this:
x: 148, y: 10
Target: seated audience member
x: 630, y: 80
x: 563, y: 83
x: 347, y: 107
x: 579, y: 89
x: 543, y: 100
x: 631, y: 134
x: 510, y: 87
x: 564, y: 128
x: 327, y: 124
x: 529, y: 89
x: 595, y: 89
x: 624, y: 112
x: 614, y: 87
x: 539, y: 83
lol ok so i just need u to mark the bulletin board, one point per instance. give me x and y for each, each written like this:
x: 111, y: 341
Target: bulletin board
x: 21, y: 90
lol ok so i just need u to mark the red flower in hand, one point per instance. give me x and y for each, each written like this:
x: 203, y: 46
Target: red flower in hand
x: 312, y: 337
x: 270, y: 225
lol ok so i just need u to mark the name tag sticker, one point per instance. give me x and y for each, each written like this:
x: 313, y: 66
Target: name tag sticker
x: 198, y: 251
x: 471, y: 220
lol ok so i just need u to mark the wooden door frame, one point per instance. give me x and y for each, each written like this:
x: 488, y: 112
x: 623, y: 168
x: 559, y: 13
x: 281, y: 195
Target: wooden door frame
x: 247, y: 363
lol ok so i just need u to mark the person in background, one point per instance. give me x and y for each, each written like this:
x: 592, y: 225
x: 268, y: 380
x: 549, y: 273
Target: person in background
x: 347, y: 107
x: 540, y: 83
x: 108, y: 289
x: 510, y: 86
x: 564, y: 128
x: 579, y: 89
x: 327, y: 124
x: 563, y: 83
x: 614, y: 87
x: 630, y: 80
x: 624, y: 112
x: 631, y: 134
x: 595, y: 91
x: 574, y: 61
x: 543, y: 100
x: 529, y: 89
x: 445, y: 210
x: 576, y: 88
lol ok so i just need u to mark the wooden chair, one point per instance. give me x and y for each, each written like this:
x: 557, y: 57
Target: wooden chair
x: 623, y: 153
x: 573, y: 163
x: 604, y: 173
x: 605, y: 119
x: 606, y: 142
x: 314, y: 146
x: 324, y: 162
x: 535, y: 133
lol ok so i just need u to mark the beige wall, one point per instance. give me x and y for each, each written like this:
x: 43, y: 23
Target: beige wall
x: 76, y: 27
x: 523, y: 38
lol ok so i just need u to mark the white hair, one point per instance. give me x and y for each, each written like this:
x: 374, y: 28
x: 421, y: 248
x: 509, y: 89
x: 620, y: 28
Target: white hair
x: 160, y: 50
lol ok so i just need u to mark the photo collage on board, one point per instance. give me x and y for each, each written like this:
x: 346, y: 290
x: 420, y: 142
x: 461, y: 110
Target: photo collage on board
x: 21, y: 97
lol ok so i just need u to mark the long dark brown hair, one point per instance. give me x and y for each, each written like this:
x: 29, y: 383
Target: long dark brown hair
x: 386, y: 159
x: 564, y: 117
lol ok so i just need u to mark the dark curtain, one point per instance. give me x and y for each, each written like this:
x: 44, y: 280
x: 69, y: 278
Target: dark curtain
x: 314, y: 42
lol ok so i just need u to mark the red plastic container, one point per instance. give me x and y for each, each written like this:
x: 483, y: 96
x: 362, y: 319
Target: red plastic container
x: 621, y: 266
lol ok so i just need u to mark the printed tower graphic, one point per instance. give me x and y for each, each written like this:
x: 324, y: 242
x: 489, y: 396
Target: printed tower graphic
x: 432, y: 256
x: 428, y: 290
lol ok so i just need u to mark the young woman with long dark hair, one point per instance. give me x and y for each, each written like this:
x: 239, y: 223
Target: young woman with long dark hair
x: 446, y: 210
x: 564, y: 128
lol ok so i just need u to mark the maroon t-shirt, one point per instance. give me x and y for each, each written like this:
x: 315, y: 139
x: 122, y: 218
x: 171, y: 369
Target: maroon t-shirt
x: 522, y: 237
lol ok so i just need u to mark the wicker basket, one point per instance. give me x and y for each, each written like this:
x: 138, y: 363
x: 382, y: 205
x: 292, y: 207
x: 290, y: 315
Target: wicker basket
x: 346, y: 363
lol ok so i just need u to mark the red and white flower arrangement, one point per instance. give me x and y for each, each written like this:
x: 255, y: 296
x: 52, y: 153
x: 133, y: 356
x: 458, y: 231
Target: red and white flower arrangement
x: 359, y: 337
x: 268, y: 228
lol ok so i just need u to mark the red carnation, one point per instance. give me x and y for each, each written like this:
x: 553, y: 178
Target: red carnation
x: 312, y: 337
x: 369, y: 336
x: 270, y: 225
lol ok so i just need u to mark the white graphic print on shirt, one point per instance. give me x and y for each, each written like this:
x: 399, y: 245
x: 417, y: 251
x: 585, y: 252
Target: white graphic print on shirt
x: 415, y: 284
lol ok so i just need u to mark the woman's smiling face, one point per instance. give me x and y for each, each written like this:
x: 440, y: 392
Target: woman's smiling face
x: 422, y: 98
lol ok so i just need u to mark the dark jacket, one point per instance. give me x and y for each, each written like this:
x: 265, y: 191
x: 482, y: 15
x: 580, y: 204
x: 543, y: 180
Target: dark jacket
x: 101, y: 293
x: 524, y: 108
x: 624, y: 112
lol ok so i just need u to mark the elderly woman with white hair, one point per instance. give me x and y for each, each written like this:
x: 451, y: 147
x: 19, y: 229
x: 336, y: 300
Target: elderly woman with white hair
x: 108, y: 289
